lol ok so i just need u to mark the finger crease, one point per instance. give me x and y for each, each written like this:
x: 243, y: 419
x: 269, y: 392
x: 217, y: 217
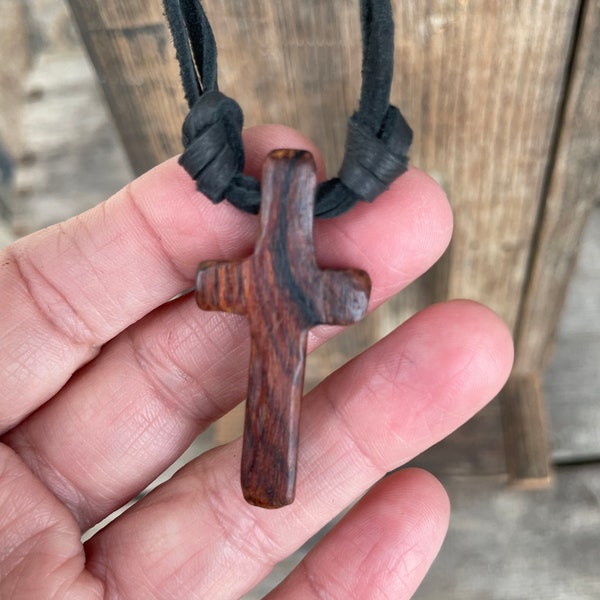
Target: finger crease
x: 360, y: 448
x: 154, y: 236
x: 65, y: 490
x: 250, y: 537
x: 148, y: 365
x: 317, y: 588
x: 71, y: 327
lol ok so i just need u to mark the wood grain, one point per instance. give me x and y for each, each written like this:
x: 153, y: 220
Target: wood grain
x: 15, y: 58
x: 573, y: 183
x: 14, y: 63
x: 480, y: 82
x: 130, y: 46
x: 525, y: 432
x: 283, y: 293
x: 572, y: 192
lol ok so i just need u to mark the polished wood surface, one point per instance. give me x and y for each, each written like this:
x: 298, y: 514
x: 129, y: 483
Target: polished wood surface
x: 283, y: 293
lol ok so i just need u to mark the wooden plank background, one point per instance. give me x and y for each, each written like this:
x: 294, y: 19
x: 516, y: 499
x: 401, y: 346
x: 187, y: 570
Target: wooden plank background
x: 480, y: 82
x: 14, y: 43
x: 573, y: 188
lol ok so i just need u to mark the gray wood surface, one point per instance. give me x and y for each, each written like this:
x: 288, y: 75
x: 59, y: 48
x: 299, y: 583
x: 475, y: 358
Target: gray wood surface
x: 572, y: 382
x: 506, y: 544
x: 130, y: 46
x: 72, y: 158
x: 573, y: 188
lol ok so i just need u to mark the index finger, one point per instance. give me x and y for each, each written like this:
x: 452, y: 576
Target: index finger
x: 68, y: 289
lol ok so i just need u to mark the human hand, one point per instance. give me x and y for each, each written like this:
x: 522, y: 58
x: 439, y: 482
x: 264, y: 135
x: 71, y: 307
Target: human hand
x: 104, y: 383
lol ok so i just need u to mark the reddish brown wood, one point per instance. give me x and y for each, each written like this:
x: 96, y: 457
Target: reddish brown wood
x: 284, y: 293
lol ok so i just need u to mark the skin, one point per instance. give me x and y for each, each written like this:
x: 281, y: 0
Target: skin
x: 104, y: 383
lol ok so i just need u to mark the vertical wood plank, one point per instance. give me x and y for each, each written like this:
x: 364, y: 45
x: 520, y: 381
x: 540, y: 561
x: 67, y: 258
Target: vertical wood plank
x: 525, y: 432
x: 573, y: 186
x: 296, y: 63
x: 481, y: 83
x: 14, y: 63
x: 15, y: 58
x: 573, y: 189
x: 130, y: 46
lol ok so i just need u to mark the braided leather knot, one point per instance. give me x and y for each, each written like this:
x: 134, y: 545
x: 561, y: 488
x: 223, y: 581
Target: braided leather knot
x: 373, y: 162
x: 378, y: 136
x: 214, y: 157
x: 212, y: 137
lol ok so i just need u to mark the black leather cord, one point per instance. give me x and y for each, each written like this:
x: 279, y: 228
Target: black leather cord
x: 378, y: 136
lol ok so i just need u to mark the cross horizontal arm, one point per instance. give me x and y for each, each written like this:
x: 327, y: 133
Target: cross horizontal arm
x: 220, y: 286
x: 345, y: 296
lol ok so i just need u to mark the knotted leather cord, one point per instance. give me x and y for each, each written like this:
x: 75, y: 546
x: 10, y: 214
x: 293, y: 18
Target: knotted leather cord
x: 378, y: 137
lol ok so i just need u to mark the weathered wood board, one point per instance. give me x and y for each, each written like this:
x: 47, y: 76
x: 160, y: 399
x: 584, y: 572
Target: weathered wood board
x: 508, y: 544
x: 573, y: 188
x: 15, y: 56
x: 572, y: 380
x: 130, y: 47
x: 14, y: 60
x: 72, y: 156
x: 480, y: 82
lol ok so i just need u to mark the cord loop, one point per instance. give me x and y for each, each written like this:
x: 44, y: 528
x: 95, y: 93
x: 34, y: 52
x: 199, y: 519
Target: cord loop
x: 378, y: 136
x: 212, y: 137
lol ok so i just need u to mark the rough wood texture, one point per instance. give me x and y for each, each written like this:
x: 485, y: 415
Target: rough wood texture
x: 130, y: 46
x: 480, y: 82
x: 14, y: 61
x: 573, y: 185
x: 15, y: 56
x: 283, y: 293
x: 507, y: 544
x: 573, y: 189
x: 572, y: 379
x: 525, y: 432
x: 72, y: 156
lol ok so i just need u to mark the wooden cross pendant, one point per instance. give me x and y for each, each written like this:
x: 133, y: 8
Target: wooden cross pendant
x: 283, y: 293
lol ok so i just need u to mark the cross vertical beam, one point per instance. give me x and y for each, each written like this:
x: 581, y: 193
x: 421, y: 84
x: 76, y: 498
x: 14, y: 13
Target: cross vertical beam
x: 283, y: 293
